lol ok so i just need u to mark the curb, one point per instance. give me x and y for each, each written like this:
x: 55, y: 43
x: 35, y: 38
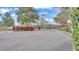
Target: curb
x: 6, y: 32
x: 67, y: 33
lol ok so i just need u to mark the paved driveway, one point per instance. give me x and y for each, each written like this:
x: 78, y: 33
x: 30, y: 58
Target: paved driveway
x: 44, y: 40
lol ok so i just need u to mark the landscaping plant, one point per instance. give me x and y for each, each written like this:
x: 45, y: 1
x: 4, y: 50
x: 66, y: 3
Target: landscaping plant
x: 23, y: 28
x: 75, y: 25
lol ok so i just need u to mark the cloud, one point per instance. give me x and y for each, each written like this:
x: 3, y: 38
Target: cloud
x: 50, y: 21
x: 0, y: 18
x: 48, y: 8
x: 41, y: 13
x: 7, y: 9
x: 16, y: 8
x: 48, y: 11
x: 12, y: 13
x: 3, y: 11
x: 14, y: 16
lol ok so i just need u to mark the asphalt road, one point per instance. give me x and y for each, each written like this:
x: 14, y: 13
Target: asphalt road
x: 44, y: 40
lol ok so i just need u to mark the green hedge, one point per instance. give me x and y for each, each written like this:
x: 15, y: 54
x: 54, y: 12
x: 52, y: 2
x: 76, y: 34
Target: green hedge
x: 75, y: 24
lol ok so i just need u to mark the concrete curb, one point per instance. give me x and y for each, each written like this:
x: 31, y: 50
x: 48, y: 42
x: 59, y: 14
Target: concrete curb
x: 67, y: 33
x: 6, y: 32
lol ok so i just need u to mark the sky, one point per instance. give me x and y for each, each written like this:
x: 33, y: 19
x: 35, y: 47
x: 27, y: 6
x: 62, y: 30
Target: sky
x: 47, y: 13
x: 12, y: 12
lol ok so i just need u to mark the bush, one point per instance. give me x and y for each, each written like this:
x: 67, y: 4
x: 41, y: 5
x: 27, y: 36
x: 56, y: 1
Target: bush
x: 23, y: 28
x: 75, y: 24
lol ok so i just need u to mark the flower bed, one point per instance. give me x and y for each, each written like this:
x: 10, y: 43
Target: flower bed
x: 23, y: 28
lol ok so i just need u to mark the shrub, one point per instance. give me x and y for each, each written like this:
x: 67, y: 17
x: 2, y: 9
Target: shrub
x: 75, y: 24
x: 23, y: 28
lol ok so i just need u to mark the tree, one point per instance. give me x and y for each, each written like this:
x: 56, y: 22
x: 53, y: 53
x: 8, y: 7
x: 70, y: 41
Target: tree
x: 63, y: 16
x: 1, y: 23
x: 7, y: 20
x: 26, y: 15
x: 75, y: 25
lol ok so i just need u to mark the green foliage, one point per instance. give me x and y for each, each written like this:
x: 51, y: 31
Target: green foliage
x: 7, y: 20
x: 26, y: 15
x: 1, y: 23
x: 75, y: 24
x: 63, y: 16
